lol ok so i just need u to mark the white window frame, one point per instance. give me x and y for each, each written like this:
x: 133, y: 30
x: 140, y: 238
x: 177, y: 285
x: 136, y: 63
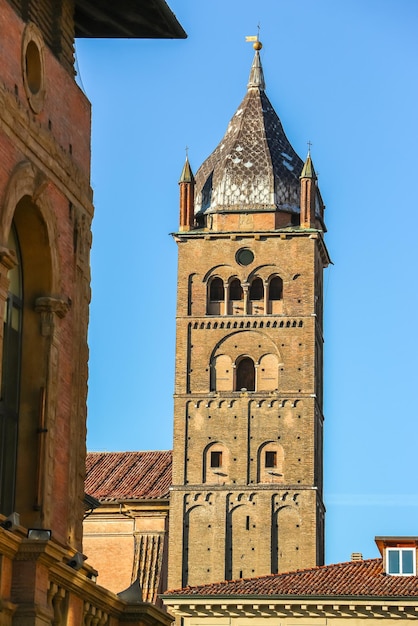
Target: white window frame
x: 400, y: 551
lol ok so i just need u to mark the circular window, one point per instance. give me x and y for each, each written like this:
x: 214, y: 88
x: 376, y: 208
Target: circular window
x: 33, y: 67
x: 245, y: 256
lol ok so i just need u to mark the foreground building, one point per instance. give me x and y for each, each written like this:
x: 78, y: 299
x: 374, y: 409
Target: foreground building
x: 372, y: 591
x: 45, y: 236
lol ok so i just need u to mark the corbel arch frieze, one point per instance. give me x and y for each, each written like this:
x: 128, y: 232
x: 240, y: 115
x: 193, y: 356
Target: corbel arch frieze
x: 27, y: 180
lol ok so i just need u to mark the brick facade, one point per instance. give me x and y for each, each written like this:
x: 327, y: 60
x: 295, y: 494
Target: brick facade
x: 45, y: 237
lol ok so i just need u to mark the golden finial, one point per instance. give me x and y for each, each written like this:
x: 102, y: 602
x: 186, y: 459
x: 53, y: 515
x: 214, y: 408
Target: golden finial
x: 257, y: 45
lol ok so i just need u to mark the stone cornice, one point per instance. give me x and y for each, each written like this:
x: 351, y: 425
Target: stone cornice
x: 9, y: 543
x: 38, y: 145
x: 294, y: 607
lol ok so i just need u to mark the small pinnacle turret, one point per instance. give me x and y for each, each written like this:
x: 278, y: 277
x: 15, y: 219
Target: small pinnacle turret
x: 187, y: 184
x: 308, y: 170
x: 308, y: 180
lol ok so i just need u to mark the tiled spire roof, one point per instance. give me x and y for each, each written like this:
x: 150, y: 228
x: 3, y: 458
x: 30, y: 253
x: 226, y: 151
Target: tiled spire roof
x: 254, y: 168
x: 353, y: 579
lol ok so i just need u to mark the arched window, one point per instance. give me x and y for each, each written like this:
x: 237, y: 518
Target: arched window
x: 276, y: 288
x: 270, y: 463
x: 257, y: 289
x: 245, y: 375
x: 235, y: 290
x: 216, y: 290
x: 215, y: 463
x: 10, y: 382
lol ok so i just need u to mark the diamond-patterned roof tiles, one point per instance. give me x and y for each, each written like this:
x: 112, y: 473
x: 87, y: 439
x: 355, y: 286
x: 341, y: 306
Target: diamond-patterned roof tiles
x: 355, y: 578
x: 128, y: 475
x: 254, y: 167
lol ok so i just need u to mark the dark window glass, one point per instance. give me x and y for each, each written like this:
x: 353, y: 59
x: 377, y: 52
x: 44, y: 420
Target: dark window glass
x: 271, y: 458
x: 276, y: 288
x: 216, y: 459
x: 407, y: 562
x: 216, y: 290
x: 245, y: 375
x: 257, y: 289
x: 394, y: 562
x: 10, y: 382
x: 235, y: 290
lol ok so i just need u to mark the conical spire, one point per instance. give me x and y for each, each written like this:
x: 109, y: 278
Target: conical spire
x: 308, y: 170
x: 186, y: 175
x: 256, y: 74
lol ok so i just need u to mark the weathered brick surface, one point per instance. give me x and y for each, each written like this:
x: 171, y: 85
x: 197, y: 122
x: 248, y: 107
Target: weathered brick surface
x: 242, y: 519
x: 44, y: 187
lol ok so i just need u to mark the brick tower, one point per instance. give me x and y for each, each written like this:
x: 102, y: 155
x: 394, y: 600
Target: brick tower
x: 246, y: 498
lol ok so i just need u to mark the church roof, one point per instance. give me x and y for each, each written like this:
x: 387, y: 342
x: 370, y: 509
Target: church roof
x: 353, y: 579
x: 128, y: 475
x: 254, y: 167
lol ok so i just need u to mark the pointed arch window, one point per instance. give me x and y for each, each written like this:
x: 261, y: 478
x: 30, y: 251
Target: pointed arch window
x: 245, y: 375
x: 10, y: 382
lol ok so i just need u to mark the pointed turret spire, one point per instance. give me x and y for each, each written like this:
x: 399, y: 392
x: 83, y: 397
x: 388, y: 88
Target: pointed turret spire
x: 186, y: 175
x: 308, y: 170
x: 256, y: 74
x: 186, y: 183
x: 308, y: 180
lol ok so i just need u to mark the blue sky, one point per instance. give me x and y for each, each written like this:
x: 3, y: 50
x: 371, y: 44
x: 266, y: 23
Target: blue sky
x: 344, y: 76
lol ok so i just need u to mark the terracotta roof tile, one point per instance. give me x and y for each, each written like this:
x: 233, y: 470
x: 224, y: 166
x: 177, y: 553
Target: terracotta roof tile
x: 128, y: 475
x: 353, y: 579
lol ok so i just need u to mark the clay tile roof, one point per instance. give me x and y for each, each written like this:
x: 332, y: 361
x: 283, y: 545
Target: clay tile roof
x: 353, y: 579
x: 128, y: 475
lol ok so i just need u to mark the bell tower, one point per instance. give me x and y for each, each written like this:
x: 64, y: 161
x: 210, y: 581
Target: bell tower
x: 247, y: 496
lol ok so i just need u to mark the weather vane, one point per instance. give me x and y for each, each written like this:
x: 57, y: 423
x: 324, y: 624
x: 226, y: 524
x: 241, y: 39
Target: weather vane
x: 257, y: 45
